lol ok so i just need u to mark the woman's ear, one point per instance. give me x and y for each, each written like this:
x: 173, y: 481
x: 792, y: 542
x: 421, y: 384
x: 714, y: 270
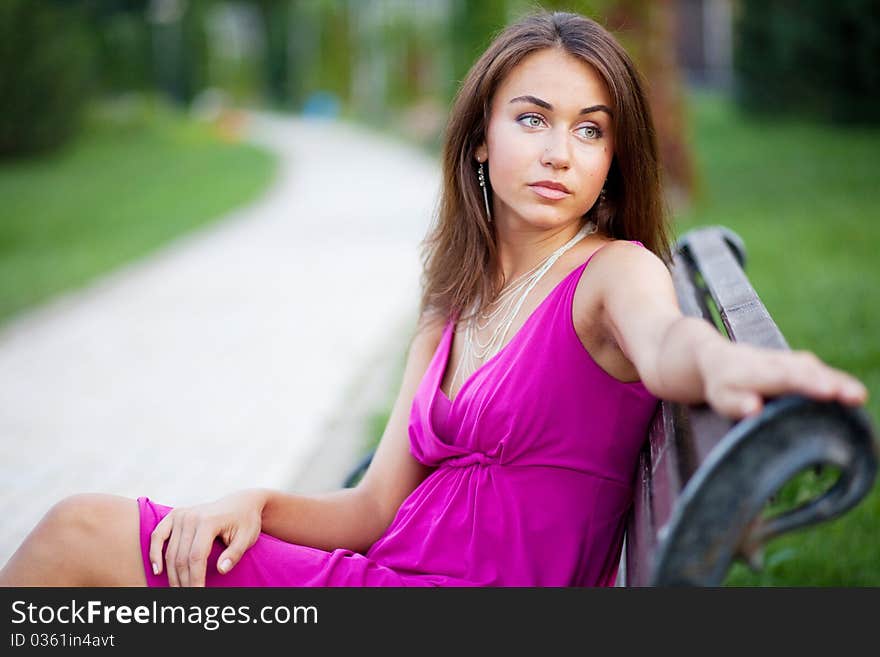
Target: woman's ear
x: 482, y: 153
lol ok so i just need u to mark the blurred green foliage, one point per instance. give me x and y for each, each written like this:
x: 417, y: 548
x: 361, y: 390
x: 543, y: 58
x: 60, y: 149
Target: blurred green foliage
x: 45, y: 75
x: 390, y: 61
x: 122, y: 41
x: 143, y: 45
x: 813, y: 57
x: 138, y: 175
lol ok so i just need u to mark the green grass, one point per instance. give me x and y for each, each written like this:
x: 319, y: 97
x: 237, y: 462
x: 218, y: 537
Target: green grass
x: 804, y: 198
x: 134, y: 179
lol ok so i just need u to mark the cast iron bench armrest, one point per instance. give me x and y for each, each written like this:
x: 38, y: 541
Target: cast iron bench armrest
x: 702, y: 479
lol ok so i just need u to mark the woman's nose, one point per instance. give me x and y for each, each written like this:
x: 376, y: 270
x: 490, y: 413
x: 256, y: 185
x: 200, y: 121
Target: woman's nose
x: 556, y: 151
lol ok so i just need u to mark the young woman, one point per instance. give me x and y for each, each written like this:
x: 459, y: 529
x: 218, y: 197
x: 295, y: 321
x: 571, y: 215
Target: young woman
x: 549, y: 329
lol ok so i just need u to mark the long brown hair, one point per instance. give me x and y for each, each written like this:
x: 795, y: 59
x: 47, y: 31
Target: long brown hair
x: 460, y: 252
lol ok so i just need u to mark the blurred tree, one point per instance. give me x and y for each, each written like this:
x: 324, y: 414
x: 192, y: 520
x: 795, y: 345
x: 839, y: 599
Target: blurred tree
x: 330, y: 68
x: 121, y: 37
x: 179, y: 46
x: 647, y: 31
x: 46, y: 59
x: 148, y: 44
x: 280, y: 76
x: 472, y: 25
x: 813, y: 58
x: 193, y: 64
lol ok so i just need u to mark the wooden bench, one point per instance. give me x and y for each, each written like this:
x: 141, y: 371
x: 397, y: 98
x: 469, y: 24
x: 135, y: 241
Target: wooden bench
x: 703, y: 481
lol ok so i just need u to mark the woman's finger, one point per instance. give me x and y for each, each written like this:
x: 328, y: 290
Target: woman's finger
x: 771, y: 373
x: 736, y: 403
x: 740, y: 389
x: 184, y: 545
x: 198, y: 554
x: 171, y: 552
x: 160, y: 534
x: 745, y: 404
x: 849, y: 389
x: 804, y: 373
x: 233, y: 553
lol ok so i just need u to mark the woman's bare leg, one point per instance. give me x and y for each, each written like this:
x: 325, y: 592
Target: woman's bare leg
x: 84, y: 540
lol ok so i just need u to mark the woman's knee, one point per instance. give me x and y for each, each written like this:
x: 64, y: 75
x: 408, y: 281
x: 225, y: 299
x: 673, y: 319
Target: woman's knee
x: 76, y: 518
x: 96, y: 536
x: 90, y: 540
x: 82, y: 528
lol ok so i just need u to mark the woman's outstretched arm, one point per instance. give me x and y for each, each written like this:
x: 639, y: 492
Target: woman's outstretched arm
x: 685, y: 359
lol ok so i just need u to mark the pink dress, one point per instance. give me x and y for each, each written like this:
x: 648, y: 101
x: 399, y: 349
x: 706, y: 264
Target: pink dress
x: 533, y: 463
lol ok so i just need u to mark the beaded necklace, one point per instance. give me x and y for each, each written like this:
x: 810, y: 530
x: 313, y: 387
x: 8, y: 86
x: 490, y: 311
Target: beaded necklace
x: 506, y: 306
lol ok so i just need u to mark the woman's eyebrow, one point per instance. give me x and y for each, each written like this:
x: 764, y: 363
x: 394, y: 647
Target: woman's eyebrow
x: 547, y: 106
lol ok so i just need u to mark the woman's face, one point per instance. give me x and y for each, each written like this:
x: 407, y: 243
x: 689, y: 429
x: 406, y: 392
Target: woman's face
x: 550, y: 120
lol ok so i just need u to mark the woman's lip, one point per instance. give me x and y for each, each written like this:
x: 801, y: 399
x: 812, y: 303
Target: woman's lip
x: 547, y: 192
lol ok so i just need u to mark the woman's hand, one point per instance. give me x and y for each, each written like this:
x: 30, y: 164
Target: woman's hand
x: 737, y: 378
x: 190, y: 532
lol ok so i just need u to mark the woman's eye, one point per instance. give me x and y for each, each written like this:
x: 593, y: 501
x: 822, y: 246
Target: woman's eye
x: 532, y: 120
x: 591, y: 131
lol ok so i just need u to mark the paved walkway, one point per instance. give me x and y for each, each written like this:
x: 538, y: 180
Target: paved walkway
x: 246, y: 354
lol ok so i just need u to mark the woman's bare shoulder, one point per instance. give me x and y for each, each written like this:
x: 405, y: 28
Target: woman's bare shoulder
x: 614, y: 263
x: 621, y: 260
x: 618, y: 247
x: 611, y: 261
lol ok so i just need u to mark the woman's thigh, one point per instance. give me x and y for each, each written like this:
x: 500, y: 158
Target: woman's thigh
x: 110, y: 532
x: 84, y: 540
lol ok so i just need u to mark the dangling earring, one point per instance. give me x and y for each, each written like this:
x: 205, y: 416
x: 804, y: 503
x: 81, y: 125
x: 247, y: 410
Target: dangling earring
x: 485, y: 193
x: 602, y: 195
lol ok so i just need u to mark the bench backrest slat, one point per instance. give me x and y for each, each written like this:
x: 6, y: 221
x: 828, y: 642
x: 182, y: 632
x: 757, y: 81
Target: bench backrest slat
x: 744, y: 316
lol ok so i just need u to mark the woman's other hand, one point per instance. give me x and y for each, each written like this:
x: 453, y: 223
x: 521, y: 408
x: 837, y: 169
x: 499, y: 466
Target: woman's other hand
x: 190, y: 532
x: 738, y: 377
